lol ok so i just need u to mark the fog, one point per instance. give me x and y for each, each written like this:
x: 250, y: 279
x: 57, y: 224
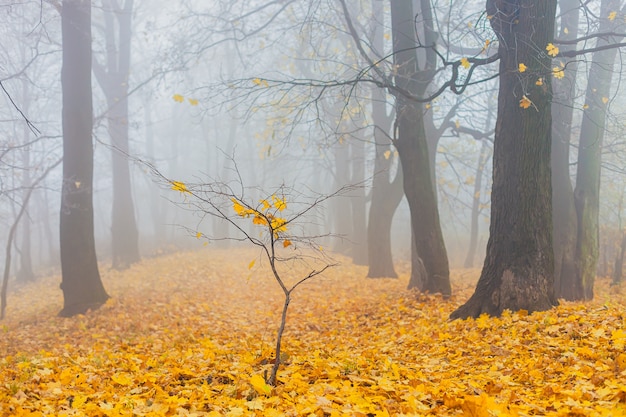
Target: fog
x: 259, y: 95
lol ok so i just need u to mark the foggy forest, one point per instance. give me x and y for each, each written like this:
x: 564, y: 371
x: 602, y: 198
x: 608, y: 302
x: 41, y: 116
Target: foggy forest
x: 312, y: 208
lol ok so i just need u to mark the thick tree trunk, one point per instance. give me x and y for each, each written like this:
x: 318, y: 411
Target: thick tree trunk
x: 81, y: 283
x: 587, y: 190
x: 414, y: 156
x: 565, y: 223
x: 518, y: 270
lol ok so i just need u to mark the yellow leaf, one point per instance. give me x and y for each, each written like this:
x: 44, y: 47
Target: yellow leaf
x: 179, y: 186
x: 260, y: 82
x: 428, y: 106
x: 558, y: 72
x: 565, y: 30
x: 193, y: 101
x: 605, y: 100
x: 79, y: 401
x: 121, y: 378
x: 178, y: 98
x: 387, y: 36
x: 618, y: 337
x: 525, y: 102
x: 539, y: 81
x: 552, y: 50
x: 286, y: 243
x: 465, y: 63
x: 387, y: 154
x: 278, y: 203
x: 585, y: 106
x: 265, y: 204
x: 521, y: 67
x: 457, y: 124
x: 260, y: 220
x: 251, y: 264
x: 198, y: 235
x: 612, y: 16
x: 259, y: 385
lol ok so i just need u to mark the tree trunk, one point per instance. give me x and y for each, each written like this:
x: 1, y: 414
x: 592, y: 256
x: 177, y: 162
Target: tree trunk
x: 413, y: 150
x: 478, y: 185
x: 587, y: 190
x: 565, y: 223
x: 518, y: 269
x: 81, y: 283
x: 25, y: 272
x: 113, y: 78
x: 386, y: 193
x: 358, y: 203
x: 619, y: 262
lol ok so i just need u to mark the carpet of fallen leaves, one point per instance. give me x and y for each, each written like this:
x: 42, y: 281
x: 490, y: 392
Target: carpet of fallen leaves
x: 193, y: 334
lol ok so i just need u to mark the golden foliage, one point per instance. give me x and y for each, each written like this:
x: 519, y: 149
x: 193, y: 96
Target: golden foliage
x: 552, y: 50
x: 192, y: 334
x: 525, y: 102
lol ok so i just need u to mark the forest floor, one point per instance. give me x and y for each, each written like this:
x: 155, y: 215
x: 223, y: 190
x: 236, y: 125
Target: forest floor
x: 193, y: 334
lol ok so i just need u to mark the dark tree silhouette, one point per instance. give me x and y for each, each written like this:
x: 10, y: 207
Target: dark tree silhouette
x: 519, y: 266
x: 81, y: 283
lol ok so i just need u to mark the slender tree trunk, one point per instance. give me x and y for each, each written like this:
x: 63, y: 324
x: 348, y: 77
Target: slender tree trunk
x: 386, y: 192
x: 414, y: 155
x: 478, y: 185
x: 113, y: 78
x: 565, y: 223
x: 358, y: 203
x: 619, y: 261
x: 25, y: 272
x: 81, y: 283
x: 518, y: 269
x: 587, y: 190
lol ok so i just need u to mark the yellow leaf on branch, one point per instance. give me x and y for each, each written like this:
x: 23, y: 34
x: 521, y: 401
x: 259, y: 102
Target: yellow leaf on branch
x: 465, y: 63
x: 180, y: 186
x: 178, y: 98
x: 525, y: 102
x: 552, y: 49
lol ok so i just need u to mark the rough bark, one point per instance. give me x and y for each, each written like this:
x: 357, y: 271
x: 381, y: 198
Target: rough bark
x: 519, y: 266
x: 81, y: 283
x: 587, y: 190
x: 113, y: 78
x: 413, y: 151
x: 565, y: 223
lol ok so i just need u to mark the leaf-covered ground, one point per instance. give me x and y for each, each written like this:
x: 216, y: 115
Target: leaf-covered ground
x: 193, y: 334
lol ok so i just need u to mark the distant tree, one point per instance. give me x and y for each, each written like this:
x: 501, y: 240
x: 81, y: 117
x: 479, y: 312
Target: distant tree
x: 81, y: 283
x: 518, y: 269
x: 113, y: 76
x: 413, y: 149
